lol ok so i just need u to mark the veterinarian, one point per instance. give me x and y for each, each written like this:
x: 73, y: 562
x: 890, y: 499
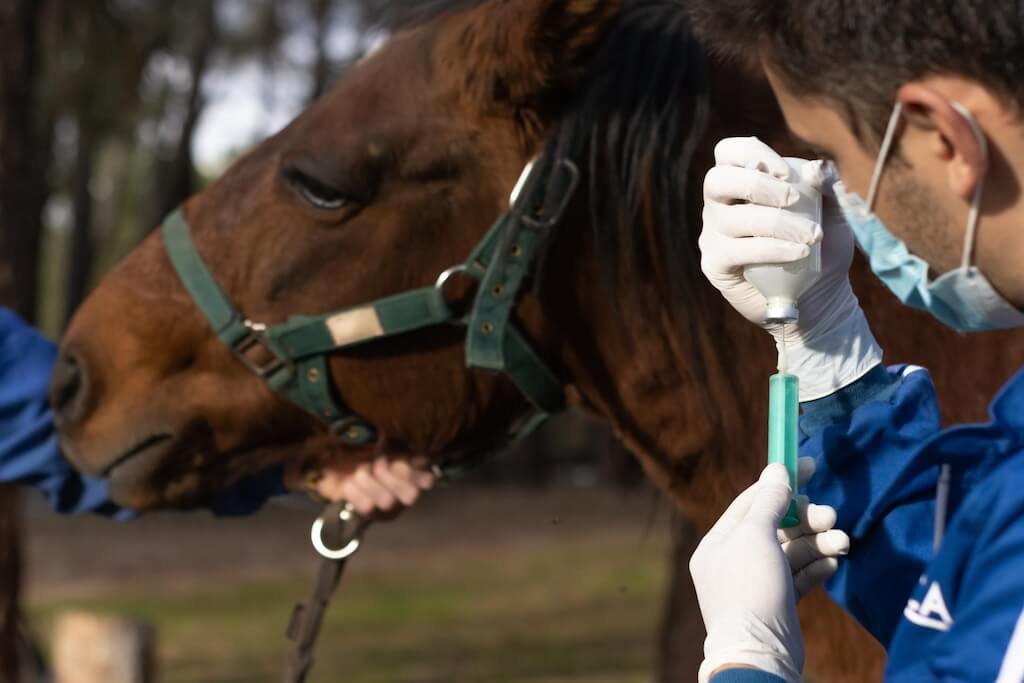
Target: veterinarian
x: 918, y: 105
x: 30, y: 455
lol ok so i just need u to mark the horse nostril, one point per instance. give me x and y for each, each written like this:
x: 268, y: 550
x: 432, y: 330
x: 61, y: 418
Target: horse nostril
x: 68, y: 389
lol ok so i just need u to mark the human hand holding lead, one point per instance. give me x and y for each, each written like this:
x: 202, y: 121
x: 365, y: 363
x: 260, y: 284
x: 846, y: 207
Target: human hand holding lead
x: 377, y: 489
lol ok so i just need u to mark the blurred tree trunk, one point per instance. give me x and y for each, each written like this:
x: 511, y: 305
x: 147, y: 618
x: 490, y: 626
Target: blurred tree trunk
x: 12, y: 637
x: 681, y: 636
x: 24, y: 154
x: 80, y: 251
x: 321, y: 11
x: 269, y: 34
x: 23, y: 193
x: 175, y: 175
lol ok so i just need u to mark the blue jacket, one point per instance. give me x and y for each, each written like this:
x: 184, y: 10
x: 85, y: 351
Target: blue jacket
x: 29, y: 453
x: 952, y: 615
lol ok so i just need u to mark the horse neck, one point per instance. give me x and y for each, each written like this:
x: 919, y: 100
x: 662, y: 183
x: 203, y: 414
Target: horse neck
x: 695, y: 419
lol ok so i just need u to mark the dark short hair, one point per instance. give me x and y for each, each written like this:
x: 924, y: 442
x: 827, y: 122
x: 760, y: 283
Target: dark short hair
x: 857, y: 53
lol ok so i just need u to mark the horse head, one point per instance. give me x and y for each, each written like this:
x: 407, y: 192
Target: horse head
x: 379, y: 187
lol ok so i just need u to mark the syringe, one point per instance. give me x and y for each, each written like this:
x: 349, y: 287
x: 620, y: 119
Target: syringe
x: 783, y: 423
x: 782, y: 284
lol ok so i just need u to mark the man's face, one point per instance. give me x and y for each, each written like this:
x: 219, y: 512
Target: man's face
x: 910, y: 201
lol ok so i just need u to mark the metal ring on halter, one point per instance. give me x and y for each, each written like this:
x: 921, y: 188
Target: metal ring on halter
x: 347, y: 515
x: 521, y: 183
x: 443, y: 278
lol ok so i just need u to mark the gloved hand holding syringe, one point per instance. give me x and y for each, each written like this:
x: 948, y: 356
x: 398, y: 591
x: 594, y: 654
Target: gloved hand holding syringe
x: 761, y: 211
x: 782, y: 285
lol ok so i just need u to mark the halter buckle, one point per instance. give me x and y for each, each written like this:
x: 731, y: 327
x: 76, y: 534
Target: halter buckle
x: 572, y: 180
x: 256, y: 337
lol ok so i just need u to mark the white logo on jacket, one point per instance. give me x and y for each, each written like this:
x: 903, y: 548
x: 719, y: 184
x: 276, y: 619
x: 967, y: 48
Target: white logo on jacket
x: 931, y: 612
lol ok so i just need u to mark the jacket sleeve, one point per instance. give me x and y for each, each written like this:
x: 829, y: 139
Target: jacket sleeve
x: 989, y: 596
x: 866, y: 440
x: 29, y: 450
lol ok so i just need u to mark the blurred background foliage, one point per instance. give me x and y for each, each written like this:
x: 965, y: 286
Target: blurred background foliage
x: 103, y: 106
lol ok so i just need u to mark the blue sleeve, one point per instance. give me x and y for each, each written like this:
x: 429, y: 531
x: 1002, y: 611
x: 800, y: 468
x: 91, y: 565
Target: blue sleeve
x: 29, y: 451
x: 866, y: 440
x: 745, y: 676
x: 988, y: 613
x: 249, y: 494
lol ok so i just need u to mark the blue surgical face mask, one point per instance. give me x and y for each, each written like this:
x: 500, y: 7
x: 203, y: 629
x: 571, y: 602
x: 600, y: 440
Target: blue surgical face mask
x: 963, y: 298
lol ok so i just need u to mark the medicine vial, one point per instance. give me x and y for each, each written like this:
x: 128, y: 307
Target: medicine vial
x: 782, y: 284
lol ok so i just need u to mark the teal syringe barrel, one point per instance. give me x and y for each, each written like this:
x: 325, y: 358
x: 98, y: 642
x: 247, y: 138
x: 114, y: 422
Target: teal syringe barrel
x: 783, y: 422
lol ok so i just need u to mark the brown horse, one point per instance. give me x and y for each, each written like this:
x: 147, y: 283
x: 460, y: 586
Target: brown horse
x: 392, y: 178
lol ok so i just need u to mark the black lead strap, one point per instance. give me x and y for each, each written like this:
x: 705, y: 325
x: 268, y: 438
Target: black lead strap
x: 307, y: 618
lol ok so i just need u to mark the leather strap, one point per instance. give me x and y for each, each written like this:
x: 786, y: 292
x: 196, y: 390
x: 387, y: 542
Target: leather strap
x: 307, y: 618
x: 299, y: 347
x: 492, y: 341
x: 293, y: 355
x: 225, y: 320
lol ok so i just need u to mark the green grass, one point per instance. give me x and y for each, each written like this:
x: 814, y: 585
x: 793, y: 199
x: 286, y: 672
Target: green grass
x: 539, y: 613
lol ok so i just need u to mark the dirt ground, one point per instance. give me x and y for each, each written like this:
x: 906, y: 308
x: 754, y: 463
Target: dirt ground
x: 86, y: 556
x: 475, y: 584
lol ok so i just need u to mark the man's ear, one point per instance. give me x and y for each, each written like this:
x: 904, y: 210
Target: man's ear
x: 957, y: 142
x: 522, y: 54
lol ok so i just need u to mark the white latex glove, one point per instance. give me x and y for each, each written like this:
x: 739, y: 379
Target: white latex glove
x: 746, y: 222
x: 814, y: 546
x: 744, y: 583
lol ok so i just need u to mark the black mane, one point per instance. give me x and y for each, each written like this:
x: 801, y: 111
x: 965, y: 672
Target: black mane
x: 641, y: 112
x: 632, y: 128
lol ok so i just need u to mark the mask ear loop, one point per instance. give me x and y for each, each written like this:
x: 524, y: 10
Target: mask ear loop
x: 883, y: 153
x: 945, y: 472
x: 975, y: 212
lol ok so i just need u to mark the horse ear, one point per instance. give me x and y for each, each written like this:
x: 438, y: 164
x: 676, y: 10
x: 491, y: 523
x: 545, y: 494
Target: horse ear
x: 523, y: 54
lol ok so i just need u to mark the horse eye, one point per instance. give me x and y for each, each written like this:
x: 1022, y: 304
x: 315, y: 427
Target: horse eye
x: 316, y: 193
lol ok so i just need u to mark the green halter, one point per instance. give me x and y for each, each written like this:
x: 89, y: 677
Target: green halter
x: 298, y: 348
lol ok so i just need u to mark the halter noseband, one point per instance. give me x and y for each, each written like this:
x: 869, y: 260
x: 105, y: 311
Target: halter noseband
x: 293, y: 355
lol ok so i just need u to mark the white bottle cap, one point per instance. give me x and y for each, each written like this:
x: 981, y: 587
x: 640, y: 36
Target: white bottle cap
x: 782, y: 311
x: 782, y: 284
